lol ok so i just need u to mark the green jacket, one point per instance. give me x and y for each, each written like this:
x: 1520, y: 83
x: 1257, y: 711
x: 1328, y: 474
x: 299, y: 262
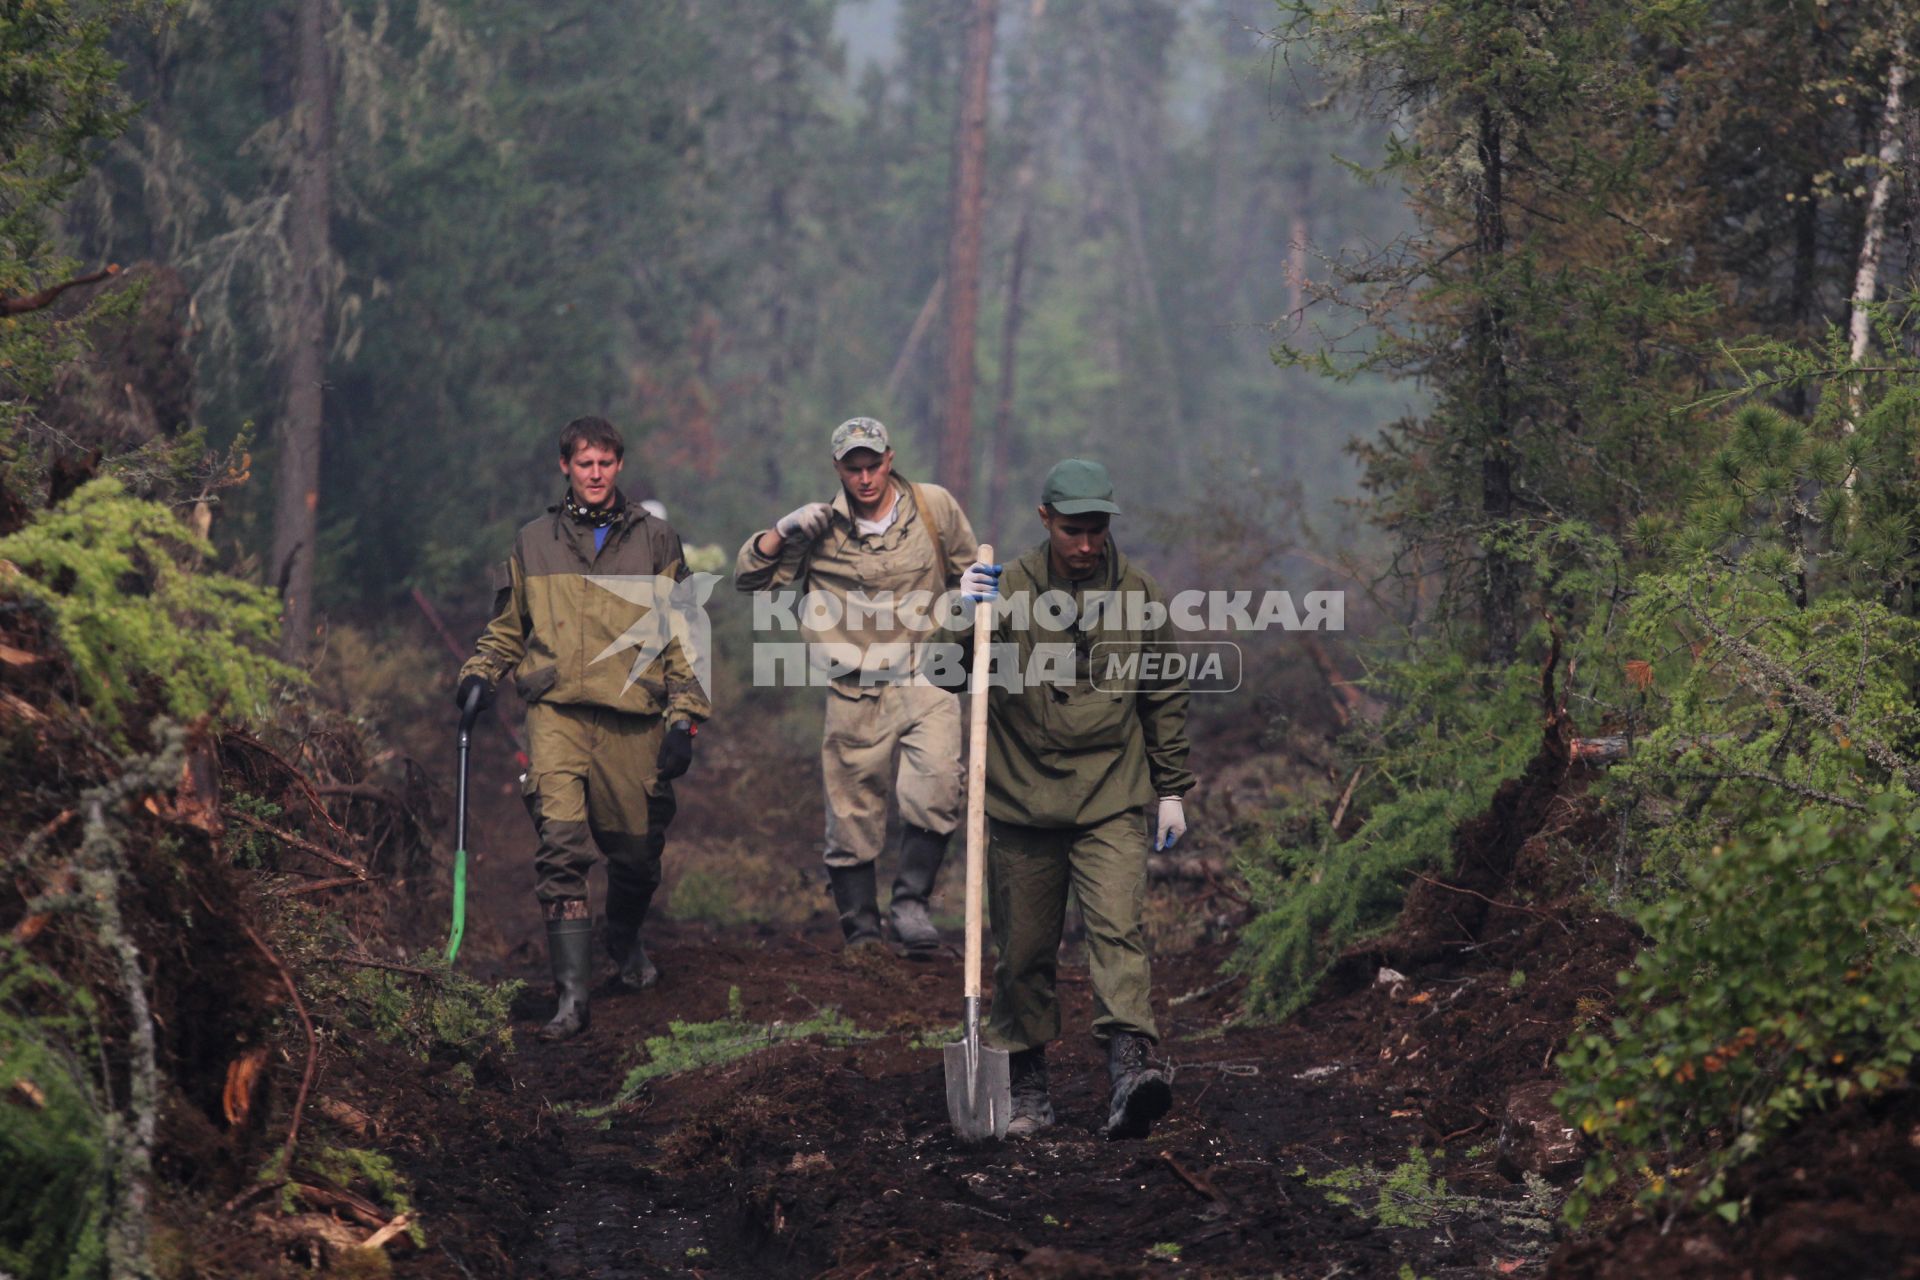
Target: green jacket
x: 1071, y: 755
x: 553, y: 628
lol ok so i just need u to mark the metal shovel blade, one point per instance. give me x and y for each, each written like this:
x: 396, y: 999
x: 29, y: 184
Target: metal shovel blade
x: 979, y: 1090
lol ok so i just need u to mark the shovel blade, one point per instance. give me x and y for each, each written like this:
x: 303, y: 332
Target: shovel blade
x: 979, y: 1091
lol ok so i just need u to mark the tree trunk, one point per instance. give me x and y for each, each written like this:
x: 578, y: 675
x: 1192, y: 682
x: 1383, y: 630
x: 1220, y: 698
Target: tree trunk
x: 966, y: 191
x: 1167, y: 376
x: 1502, y: 601
x: 1009, y: 361
x: 1866, y: 280
x: 297, y: 486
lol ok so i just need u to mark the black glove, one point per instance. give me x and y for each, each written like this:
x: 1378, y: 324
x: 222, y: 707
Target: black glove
x: 676, y: 751
x: 467, y: 686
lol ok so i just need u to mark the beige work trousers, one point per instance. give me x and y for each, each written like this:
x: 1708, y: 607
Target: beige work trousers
x: 918, y: 724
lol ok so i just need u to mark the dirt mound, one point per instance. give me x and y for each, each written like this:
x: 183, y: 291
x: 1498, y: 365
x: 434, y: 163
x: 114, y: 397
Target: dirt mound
x: 1839, y: 1197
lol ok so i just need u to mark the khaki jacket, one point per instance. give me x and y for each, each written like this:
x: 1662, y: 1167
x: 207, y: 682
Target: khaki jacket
x: 1061, y: 755
x: 895, y: 564
x: 551, y: 625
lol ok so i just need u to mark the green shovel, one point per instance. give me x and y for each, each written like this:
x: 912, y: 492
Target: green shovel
x: 468, y: 714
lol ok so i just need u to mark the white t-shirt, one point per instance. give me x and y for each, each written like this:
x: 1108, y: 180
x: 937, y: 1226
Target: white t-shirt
x: 874, y: 528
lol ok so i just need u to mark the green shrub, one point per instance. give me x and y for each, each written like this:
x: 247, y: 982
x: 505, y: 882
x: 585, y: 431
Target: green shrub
x: 441, y: 1012
x: 1448, y: 747
x: 118, y: 578
x: 689, y: 1046
x: 1785, y: 977
x: 53, y: 1141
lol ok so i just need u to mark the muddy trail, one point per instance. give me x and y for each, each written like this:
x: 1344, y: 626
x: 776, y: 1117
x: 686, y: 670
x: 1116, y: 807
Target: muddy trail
x: 776, y: 1106
x: 832, y: 1155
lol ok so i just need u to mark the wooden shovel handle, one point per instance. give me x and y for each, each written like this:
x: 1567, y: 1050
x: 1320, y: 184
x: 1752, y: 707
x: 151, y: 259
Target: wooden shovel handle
x: 977, y: 781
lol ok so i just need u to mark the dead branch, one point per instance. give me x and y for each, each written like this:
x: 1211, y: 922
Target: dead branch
x: 1198, y: 1182
x: 359, y: 1208
x: 297, y: 842
x: 318, y: 886
x: 362, y: 791
x: 908, y: 349
x: 45, y: 298
x: 1340, y: 810
x: 432, y: 615
x: 1778, y: 680
x: 298, y: 775
x: 379, y: 1238
x: 1505, y: 906
x: 1350, y: 702
x: 368, y: 962
x: 1775, y: 780
x: 313, y: 1044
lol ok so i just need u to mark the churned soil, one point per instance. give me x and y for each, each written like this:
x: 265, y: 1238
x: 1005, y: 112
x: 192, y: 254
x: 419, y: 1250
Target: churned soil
x: 1360, y: 1138
x: 836, y: 1158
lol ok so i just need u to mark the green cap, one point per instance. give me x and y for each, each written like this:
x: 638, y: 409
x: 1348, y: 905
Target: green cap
x: 1075, y: 487
x: 859, y: 433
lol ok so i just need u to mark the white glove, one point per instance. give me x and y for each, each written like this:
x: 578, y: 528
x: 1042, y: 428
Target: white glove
x: 981, y: 582
x: 1171, y: 824
x: 804, y: 523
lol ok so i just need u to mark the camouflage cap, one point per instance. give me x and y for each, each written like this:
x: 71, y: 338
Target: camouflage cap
x: 859, y: 433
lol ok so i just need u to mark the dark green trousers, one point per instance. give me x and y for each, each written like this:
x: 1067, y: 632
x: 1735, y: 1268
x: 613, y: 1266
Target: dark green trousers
x: 1028, y: 872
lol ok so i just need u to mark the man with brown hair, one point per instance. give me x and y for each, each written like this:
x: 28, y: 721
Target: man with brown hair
x: 881, y: 549
x: 605, y: 735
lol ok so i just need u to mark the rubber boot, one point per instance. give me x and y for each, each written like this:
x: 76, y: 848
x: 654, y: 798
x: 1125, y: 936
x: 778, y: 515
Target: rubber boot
x: 570, y: 951
x: 1141, y: 1091
x: 921, y: 853
x: 1032, y: 1099
x: 627, y: 950
x: 856, y: 896
x: 628, y: 897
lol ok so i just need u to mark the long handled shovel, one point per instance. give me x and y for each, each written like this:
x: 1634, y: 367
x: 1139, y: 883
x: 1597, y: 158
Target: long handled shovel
x: 979, y: 1086
x: 468, y: 714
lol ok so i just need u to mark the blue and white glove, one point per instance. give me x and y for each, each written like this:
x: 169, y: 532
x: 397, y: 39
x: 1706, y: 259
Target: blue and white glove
x: 1171, y: 823
x: 981, y: 582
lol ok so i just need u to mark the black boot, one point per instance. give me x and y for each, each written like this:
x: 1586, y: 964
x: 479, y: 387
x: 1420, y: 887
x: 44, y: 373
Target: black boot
x: 629, y: 894
x: 624, y: 946
x: 856, y: 895
x: 921, y: 853
x: 1032, y: 1101
x: 1141, y: 1091
x: 570, y: 951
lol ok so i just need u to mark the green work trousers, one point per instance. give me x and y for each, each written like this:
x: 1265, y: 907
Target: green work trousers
x: 593, y: 788
x: 1028, y: 871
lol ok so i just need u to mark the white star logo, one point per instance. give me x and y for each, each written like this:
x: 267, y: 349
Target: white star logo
x: 673, y: 611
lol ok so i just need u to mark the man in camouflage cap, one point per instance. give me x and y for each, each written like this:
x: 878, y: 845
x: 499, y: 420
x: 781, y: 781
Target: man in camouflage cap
x: 604, y: 741
x: 886, y: 546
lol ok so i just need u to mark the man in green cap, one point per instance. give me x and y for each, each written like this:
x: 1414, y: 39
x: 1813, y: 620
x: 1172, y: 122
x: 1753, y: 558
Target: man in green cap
x: 881, y: 549
x: 604, y: 740
x: 1079, y: 770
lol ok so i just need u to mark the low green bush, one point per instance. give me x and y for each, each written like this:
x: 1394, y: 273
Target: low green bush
x: 1786, y: 977
x: 1449, y: 745
x: 120, y: 581
x: 54, y: 1135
